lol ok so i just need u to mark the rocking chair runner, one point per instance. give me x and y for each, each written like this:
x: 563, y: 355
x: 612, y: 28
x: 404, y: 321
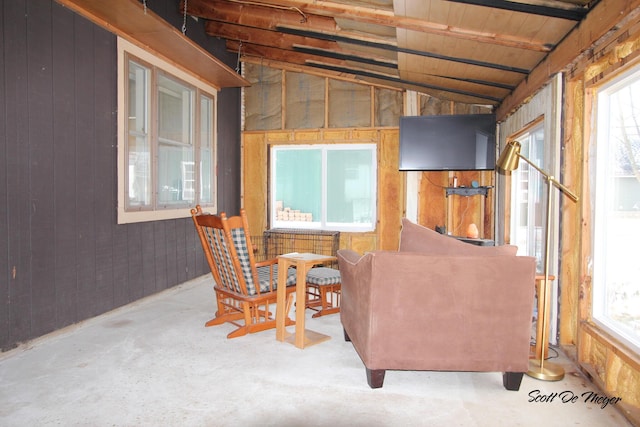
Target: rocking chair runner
x: 244, y: 288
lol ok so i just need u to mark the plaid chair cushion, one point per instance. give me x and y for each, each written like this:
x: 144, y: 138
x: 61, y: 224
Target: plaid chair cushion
x: 222, y: 258
x: 242, y: 249
x: 323, y: 276
x: 240, y: 242
x: 263, y: 277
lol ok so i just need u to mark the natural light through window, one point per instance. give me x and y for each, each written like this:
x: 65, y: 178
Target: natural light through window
x: 616, y: 270
x: 166, y: 148
x: 528, y: 191
x: 331, y: 187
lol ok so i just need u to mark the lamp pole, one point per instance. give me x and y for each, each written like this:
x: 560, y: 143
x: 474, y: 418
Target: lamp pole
x: 509, y: 161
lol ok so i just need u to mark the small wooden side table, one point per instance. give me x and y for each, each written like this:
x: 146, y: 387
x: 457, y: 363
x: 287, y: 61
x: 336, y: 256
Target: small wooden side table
x: 303, y: 262
x: 540, y: 346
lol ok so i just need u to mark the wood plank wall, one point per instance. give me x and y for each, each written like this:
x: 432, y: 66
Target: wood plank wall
x: 63, y: 258
x: 390, y: 207
x: 432, y: 203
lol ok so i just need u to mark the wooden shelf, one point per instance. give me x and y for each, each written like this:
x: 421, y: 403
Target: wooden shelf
x: 467, y: 191
x: 128, y: 19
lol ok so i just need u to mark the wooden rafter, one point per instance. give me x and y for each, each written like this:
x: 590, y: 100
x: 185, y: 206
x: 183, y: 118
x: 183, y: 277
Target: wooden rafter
x: 573, y: 13
x: 339, y: 38
x: 319, y: 18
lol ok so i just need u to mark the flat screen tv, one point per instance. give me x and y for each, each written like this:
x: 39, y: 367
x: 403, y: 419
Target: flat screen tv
x: 451, y: 142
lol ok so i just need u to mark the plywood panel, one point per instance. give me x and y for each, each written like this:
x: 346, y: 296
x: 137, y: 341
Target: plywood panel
x: 432, y: 205
x: 390, y: 181
x: 391, y: 191
x: 254, y: 168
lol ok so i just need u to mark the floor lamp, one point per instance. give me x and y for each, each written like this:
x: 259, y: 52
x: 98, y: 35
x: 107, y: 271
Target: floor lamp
x: 508, y: 161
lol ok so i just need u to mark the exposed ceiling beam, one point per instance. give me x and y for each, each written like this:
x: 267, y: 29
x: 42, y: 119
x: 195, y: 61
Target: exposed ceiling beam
x: 338, y: 38
x: 343, y: 67
x: 284, y: 40
x: 347, y: 76
x: 275, y: 53
x: 364, y: 73
x: 251, y: 15
x: 601, y: 19
x: 575, y: 14
x: 319, y: 19
x: 346, y: 57
x: 297, y: 43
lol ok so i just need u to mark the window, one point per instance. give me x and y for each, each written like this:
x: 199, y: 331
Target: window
x: 528, y: 212
x: 166, y: 146
x: 324, y: 187
x: 528, y: 198
x: 616, y: 271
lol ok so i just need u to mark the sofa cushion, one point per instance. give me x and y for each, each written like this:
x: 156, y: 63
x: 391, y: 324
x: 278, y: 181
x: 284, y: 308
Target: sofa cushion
x: 416, y: 238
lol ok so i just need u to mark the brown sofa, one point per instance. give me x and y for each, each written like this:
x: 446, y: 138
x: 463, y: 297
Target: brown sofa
x: 438, y: 304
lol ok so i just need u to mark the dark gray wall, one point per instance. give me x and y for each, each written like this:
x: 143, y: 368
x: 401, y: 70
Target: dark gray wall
x: 63, y: 258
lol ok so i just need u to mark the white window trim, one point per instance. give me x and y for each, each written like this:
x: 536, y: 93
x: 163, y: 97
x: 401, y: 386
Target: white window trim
x: 125, y: 216
x: 319, y: 225
x: 601, y: 201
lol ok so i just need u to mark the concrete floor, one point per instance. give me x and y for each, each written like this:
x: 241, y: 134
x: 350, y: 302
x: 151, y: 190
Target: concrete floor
x: 153, y: 363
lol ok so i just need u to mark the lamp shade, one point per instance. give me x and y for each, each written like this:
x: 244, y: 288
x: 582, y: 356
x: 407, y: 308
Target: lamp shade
x: 510, y: 157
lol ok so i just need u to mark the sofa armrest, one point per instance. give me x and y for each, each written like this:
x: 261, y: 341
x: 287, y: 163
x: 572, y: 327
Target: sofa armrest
x: 356, y: 271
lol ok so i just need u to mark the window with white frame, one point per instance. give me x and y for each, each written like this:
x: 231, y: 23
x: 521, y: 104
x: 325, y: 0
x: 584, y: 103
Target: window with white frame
x: 331, y: 187
x: 528, y: 198
x: 616, y: 270
x: 166, y: 142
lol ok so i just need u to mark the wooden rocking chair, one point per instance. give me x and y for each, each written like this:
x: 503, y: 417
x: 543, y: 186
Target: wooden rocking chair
x: 244, y: 288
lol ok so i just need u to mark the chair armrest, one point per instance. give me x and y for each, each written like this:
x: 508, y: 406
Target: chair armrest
x: 267, y: 262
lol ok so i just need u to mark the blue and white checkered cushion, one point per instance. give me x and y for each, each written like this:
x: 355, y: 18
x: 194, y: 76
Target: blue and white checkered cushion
x: 242, y: 249
x: 263, y: 277
x: 323, y: 276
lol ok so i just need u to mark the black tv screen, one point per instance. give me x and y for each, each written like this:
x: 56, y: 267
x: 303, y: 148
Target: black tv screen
x: 451, y: 142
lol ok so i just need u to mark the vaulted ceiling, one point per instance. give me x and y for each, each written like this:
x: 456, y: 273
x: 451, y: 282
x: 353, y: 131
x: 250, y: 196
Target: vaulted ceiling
x: 472, y: 51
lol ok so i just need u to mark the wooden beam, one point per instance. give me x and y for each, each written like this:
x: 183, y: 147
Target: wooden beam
x: 129, y: 20
x: 320, y: 17
x: 343, y: 39
x: 251, y: 15
x: 275, y: 53
x: 262, y: 37
x: 575, y: 13
x: 602, y: 18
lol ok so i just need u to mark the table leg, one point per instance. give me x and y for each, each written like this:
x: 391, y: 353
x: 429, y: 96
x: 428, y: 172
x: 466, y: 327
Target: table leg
x: 281, y: 296
x: 301, y: 284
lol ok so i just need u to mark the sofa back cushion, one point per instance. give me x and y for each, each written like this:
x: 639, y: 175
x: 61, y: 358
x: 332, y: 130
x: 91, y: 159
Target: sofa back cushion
x: 416, y: 238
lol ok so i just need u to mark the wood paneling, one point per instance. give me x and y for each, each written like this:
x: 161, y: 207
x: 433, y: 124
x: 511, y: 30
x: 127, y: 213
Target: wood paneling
x: 63, y: 257
x: 390, y: 180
